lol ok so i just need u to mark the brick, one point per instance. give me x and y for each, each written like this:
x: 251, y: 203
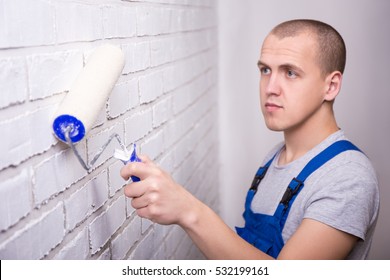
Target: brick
x: 153, y: 21
x: 37, y: 238
x: 182, y: 72
x: 101, y: 118
x: 82, y: 203
x: 123, y: 242
x: 181, y: 99
x: 162, y: 112
x: 141, y: 59
x: 119, y: 101
x: 56, y: 174
x: 21, y: 141
x: 173, y: 240
x: 97, y: 189
x: 137, y: 56
x: 166, y: 162
x: 186, y: 120
x: 77, y: 208
x: 76, y: 249
x: 104, y: 226
x: 161, y: 51
x: 177, y: 20
x: 184, y: 171
x: 186, y: 95
x: 154, y: 146
x: 115, y: 181
x: 78, y: 22
x: 183, y: 148
x: 150, y: 87
x: 134, y: 93
x: 53, y: 73
x: 159, y: 253
x: 170, y: 136
x: 145, y: 249
x: 195, y: 254
x: 138, y: 125
x: 105, y: 255
x: 183, y: 250
x: 16, y: 200
x: 160, y: 233
x: 123, y: 97
x: 171, y: 77
x: 129, y: 209
x: 128, y: 51
x: 31, y: 25
x: 145, y: 225
x: 119, y: 22
x: 182, y: 47
x: 13, y: 81
x: 96, y: 141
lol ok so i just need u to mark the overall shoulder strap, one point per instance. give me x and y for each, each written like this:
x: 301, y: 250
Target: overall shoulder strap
x: 260, y: 175
x: 297, y: 183
x: 327, y: 154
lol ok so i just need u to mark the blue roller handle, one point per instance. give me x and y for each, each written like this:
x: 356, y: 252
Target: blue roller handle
x: 134, y: 158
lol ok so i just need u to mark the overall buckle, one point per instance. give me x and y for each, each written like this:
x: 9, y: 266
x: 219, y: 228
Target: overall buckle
x: 258, y: 177
x: 291, y: 191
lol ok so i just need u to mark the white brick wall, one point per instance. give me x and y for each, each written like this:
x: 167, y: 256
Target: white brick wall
x: 165, y: 101
x: 52, y: 72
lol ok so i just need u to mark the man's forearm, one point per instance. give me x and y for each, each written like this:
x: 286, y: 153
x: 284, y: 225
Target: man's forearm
x: 215, y: 239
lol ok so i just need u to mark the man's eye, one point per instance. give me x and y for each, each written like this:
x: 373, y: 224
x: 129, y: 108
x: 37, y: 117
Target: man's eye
x: 265, y: 70
x: 291, y: 74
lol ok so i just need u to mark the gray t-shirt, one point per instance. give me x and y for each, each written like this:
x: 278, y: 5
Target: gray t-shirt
x: 343, y: 194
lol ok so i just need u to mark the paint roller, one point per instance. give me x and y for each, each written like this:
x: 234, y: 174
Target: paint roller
x: 78, y: 111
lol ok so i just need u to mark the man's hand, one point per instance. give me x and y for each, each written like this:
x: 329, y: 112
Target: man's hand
x: 157, y: 196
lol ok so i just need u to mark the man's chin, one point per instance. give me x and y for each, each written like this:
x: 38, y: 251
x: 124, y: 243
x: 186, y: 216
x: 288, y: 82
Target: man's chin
x: 273, y: 127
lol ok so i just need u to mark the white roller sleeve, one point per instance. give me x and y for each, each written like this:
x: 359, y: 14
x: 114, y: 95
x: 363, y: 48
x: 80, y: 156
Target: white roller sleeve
x: 89, y: 93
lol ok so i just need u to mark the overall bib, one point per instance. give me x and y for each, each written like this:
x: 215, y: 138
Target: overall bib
x: 265, y: 231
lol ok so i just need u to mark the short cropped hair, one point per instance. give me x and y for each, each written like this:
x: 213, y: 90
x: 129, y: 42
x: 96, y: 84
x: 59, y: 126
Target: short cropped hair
x: 331, y: 46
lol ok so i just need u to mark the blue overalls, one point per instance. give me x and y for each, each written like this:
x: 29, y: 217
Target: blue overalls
x: 265, y: 231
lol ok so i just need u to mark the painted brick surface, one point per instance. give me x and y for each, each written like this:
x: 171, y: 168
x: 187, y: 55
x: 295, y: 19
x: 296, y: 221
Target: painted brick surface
x: 115, y: 181
x: 27, y: 23
x: 130, y: 235
x: 119, y: 21
x: 165, y: 101
x: 16, y: 199
x: 55, y: 174
x: 52, y: 73
x: 37, y: 238
x: 76, y: 249
x: 78, y: 22
x: 21, y: 142
x: 104, y: 226
x: 13, y: 81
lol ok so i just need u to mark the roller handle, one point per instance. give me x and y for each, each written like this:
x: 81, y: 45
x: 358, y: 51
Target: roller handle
x: 125, y: 156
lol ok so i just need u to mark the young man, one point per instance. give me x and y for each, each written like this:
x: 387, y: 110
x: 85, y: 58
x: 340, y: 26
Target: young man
x: 317, y: 196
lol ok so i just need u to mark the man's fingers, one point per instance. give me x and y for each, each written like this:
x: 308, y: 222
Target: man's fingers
x: 139, y: 202
x: 145, y: 159
x: 136, y: 189
x: 141, y: 170
x: 134, y: 169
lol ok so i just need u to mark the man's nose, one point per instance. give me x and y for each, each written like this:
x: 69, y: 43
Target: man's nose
x: 272, y: 86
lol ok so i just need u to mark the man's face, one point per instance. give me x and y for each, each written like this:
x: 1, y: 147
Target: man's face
x: 292, y: 86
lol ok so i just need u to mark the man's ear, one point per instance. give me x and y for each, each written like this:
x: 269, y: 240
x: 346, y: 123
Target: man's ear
x: 333, y: 84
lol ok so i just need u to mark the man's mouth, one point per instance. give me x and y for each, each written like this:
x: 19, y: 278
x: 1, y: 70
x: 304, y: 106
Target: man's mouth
x: 272, y: 106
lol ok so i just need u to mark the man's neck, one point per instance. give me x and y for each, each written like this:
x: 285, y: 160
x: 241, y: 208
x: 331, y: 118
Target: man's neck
x: 301, y: 139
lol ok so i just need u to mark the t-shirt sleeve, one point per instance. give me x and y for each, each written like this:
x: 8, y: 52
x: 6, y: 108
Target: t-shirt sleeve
x: 346, y: 200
